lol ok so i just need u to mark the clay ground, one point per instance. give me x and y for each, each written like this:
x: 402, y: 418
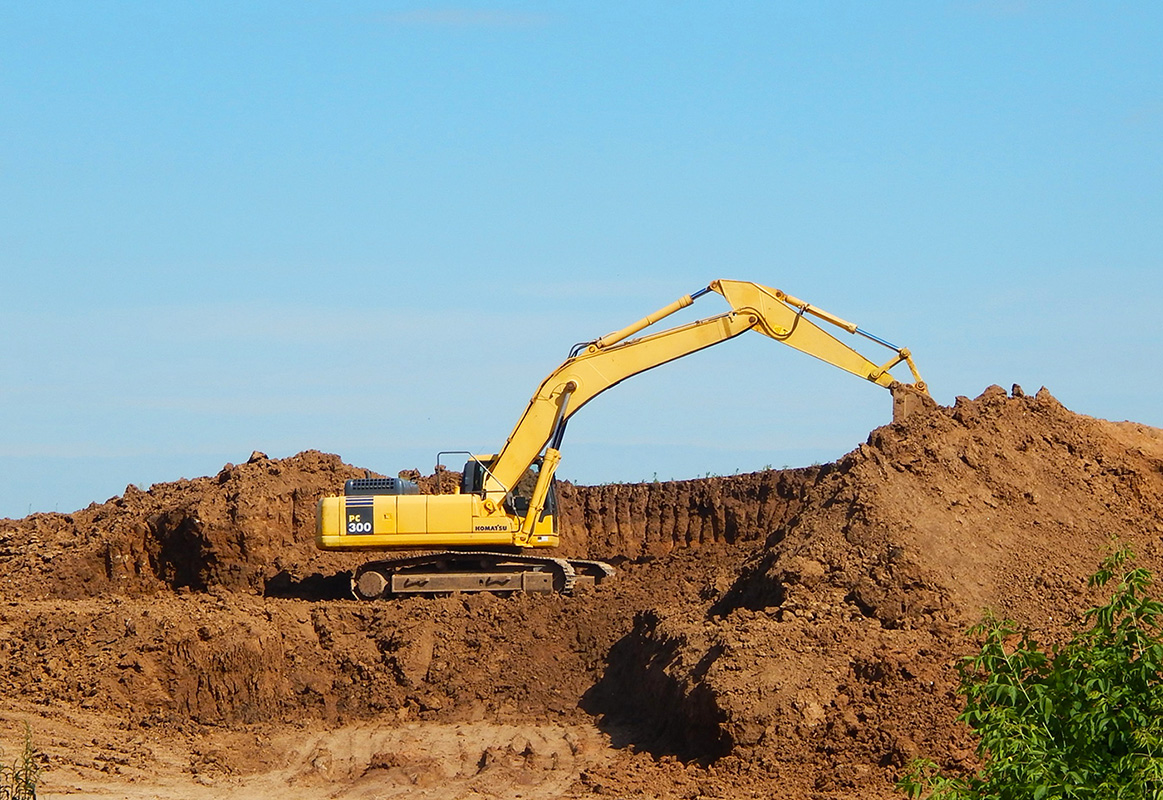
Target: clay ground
x: 779, y: 634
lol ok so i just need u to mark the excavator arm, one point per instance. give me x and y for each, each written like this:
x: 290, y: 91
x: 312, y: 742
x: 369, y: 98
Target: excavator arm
x: 595, y: 366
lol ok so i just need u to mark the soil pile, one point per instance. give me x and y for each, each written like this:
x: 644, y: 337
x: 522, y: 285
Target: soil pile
x: 829, y: 659
x: 789, y: 633
x: 999, y: 502
x: 237, y: 530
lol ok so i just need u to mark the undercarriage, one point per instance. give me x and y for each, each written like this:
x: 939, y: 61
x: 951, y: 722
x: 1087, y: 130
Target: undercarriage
x: 454, y: 571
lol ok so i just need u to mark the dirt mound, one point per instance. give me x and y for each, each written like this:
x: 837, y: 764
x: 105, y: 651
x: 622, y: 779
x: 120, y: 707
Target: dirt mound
x: 830, y: 657
x: 999, y: 502
x: 785, y: 632
x: 236, y: 529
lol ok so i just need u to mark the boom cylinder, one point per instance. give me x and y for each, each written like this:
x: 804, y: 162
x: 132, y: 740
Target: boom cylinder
x: 645, y: 322
x: 549, y: 464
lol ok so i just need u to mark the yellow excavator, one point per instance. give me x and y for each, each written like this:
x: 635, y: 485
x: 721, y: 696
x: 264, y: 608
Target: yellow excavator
x: 506, y: 506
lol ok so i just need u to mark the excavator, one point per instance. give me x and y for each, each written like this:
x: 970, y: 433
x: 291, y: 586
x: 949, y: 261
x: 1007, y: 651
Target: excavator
x: 505, y: 507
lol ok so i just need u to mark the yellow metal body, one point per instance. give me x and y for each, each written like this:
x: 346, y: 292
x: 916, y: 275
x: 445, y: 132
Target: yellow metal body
x: 491, y: 518
x: 425, y: 521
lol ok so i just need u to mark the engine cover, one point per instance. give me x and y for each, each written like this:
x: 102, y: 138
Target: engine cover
x: 364, y: 486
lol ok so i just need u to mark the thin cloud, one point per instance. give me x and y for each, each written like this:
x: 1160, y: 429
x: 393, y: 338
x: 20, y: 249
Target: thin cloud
x: 467, y: 18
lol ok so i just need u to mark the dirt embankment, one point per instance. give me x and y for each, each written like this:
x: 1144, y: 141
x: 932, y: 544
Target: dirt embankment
x: 831, y: 654
x: 786, y: 632
x: 652, y: 519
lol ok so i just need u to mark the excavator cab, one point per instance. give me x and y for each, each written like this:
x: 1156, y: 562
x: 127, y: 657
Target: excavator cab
x: 518, y: 501
x: 472, y: 480
x: 520, y: 497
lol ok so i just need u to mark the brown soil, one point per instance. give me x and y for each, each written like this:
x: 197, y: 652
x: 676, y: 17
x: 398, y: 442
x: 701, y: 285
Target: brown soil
x: 781, y: 634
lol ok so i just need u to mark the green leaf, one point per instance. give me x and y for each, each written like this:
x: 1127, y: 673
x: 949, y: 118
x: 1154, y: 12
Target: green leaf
x: 1082, y: 720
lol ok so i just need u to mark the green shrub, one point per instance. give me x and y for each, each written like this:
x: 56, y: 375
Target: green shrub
x: 18, y: 782
x: 1084, y: 720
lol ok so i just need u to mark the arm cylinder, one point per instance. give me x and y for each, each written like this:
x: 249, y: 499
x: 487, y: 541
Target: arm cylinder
x: 808, y: 308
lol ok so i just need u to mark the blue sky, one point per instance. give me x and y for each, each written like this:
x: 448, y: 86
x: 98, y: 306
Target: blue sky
x: 371, y: 228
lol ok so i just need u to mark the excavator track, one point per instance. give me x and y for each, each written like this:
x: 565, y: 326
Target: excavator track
x: 461, y: 571
x: 597, y: 570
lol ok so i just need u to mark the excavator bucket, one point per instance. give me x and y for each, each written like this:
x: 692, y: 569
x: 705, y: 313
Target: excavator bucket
x: 907, y: 400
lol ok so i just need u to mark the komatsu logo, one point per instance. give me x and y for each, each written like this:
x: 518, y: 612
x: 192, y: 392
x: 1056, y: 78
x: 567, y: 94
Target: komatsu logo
x: 490, y: 527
